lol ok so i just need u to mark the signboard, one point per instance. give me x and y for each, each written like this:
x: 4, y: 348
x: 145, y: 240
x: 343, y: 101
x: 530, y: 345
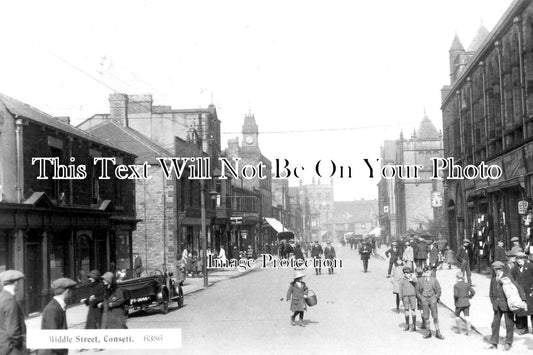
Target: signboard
x: 385, y: 209
x: 522, y: 206
x: 436, y: 199
x: 244, y: 234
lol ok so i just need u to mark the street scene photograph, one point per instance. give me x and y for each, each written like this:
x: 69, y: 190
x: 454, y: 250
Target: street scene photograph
x: 253, y: 177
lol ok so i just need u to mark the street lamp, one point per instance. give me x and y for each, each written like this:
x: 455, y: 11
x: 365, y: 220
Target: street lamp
x: 213, y: 194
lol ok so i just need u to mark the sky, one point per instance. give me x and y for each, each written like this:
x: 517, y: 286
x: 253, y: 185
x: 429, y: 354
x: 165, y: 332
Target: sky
x: 326, y: 80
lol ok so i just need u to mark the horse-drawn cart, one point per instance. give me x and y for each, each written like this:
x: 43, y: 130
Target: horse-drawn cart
x: 158, y: 289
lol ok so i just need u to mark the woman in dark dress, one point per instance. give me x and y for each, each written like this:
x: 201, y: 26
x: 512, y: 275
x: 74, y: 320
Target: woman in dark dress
x: 94, y: 314
x: 114, y: 304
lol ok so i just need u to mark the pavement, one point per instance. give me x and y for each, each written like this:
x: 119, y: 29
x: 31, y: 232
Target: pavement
x: 77, y: 314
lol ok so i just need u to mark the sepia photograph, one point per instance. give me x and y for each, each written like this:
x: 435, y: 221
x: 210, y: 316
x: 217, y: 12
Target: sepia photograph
x: 259, y: 177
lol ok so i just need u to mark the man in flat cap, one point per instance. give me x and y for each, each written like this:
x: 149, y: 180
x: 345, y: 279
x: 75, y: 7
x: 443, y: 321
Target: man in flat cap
x: 12, y: 326
x: 54, y: 314
x: 516, y: 245
x: 464, y: 255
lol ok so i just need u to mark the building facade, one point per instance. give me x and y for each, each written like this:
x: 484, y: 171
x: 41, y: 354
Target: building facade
x: 52, y: 228
x: 488, y: 118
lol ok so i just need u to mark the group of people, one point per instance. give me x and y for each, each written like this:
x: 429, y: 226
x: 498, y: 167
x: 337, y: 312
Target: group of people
x: 105, y: 301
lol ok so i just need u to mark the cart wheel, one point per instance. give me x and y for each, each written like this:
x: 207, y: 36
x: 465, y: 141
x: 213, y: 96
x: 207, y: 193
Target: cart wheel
x: 164, y: 307
x: 180, y: 298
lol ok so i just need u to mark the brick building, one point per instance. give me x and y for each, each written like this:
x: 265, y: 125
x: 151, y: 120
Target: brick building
x: 51, y: 228
x: 487, y: 112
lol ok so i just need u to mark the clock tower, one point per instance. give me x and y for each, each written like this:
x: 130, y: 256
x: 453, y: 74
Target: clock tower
x: 250, y: 132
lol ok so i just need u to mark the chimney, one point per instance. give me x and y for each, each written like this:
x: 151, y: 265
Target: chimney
x: 118, y: 108
x: 63, y: 119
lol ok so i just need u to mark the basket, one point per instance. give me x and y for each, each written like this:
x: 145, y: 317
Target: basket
x: 311, y: 300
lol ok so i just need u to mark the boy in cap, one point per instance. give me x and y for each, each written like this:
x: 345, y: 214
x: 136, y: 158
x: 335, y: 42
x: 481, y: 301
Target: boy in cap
x: 54, y: 314
x: 12, y: 326
x: 462, y: 293
x: 428, y: 292
x: 464, y: 255
x: 407, y: 293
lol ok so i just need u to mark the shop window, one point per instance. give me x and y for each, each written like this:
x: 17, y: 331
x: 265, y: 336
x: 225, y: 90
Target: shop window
x: 83, y: 257
x: 123, y: 251
x: 58, y: 257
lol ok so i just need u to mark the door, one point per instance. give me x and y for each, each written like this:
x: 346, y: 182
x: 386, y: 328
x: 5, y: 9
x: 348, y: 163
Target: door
x: 33, y: 277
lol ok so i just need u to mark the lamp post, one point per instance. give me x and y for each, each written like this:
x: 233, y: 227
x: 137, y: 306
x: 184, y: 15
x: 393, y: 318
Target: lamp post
x: 204, y: 228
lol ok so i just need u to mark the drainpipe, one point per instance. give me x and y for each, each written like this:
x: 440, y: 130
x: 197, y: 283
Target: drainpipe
x: 19, y: 168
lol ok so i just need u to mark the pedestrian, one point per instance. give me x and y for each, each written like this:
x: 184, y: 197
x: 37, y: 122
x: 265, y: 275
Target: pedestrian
x: 393, y: 254
x: 397, y: 276
x: 428, y: 292
x: 407, y: 293
x: 250, y: 253
x: 137, y: 264
x: 408, y: 255
x: 222, y: 255
x: 12, y: 326
x: 113, y: 305
x: 421, y: 252
x: 516, y: 245
x: 522, y: 273
x: 433, y: 258
x: 329, y: 253
x: 96, y: 290
x: 449, y: 257
x: 298, y: 291
x: 298, y: 253
x: 365, y: 250
x: 316, y: 253
x: 462, y: 293
x: 54, y: 315
x: 464, y: 255
x: 499, y: 252
x: 500, y: 307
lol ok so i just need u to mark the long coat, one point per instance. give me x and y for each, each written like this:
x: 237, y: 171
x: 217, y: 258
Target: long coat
x: 434, y: 256
x: 298, y: 299
x: 114, y: 316
x: 12, y: 326
x: 525, y: 279
x: 54, y: 317
x: 365, y: 251
x: 329, y: 253
x: 421, y: 250
x: 397, y: 276
x: 94, y: 314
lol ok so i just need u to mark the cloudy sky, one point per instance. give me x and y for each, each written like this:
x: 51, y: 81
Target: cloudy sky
x: 326, y: 80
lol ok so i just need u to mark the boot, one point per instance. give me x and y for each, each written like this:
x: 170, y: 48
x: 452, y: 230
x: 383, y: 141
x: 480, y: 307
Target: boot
x: 406, y: 323
x: 413, y: 327
x: 458, y: 323
x: 293, y: 322
x: 428, y: 334
x: 438, y: 335
x: 301, y: 323
x: 468, y: 328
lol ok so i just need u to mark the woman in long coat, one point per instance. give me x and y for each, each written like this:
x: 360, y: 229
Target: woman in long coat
x: 298, y: 290
x: 114, y: 304
x: 94, y: 314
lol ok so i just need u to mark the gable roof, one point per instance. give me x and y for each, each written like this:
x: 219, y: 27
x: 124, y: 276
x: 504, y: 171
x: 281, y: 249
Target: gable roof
x: 427, y: 129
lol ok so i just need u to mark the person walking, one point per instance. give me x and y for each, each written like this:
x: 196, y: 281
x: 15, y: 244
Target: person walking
x: 398, y: 275
x: 421, y: 252
x: 499, y: 252
x: 94, y: 314
x: 12, y: 326
x: 393, y: 254
x: 365, y: 250
x: 113, y: 305
x: 407, y: 293
x: 464, y: 255
x: 408, y: 255
x: 500, y: 307
x: 137, y: 264
x: 434, y: 257
x: 55, y: 315
x: 329, y: 253
x: 298, y: 292
x: 316, y: 253
x: 522, y: 273
x: 428, y: 292
x: 462, y: 293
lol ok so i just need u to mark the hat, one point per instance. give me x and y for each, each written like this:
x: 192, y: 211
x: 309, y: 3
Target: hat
x: 520, y: 254
x: 62, y: 284
x: 466, y: 241
x: 460, y: 275
x: 407, y: 269
x: 298, y: 274
x: 95, y: 274
x: 514, y: 239
x: 10, y: 276
x: 108, y: 276
x: 497, y: 265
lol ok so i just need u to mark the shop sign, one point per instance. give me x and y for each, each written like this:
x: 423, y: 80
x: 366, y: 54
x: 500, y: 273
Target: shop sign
x: 436, y: 199
x: 244, y: 234
x: 522, y: 206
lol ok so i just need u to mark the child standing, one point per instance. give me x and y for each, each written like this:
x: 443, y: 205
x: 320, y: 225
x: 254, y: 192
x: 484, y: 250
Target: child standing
x: 298, y: 290
x: 397, y: 276
x: 462, y: 293
x: 428, y: 292
x: 449, y: 257
x: 407, y: 293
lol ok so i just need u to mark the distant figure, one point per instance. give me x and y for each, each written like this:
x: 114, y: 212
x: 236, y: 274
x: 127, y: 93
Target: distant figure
x: 464, y: 255
x: 462, y: 293
x: 499, y: 252
x: 329, y: 253
x: 137, y: 264
x: 365, y: 250
x: 393, y: 254
x: 316, y: 253
x: 222, y: 255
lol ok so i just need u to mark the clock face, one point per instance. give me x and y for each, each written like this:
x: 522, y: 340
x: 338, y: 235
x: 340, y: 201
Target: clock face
x: 249, y: 140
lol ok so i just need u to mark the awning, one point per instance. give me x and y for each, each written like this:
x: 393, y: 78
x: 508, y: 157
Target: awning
x: 375, y: 231
x: 274, y: 223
